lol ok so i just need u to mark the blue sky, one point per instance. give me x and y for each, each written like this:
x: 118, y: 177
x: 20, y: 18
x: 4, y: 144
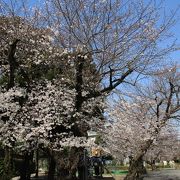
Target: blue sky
x: 168, y: 5
x: 173, y: 5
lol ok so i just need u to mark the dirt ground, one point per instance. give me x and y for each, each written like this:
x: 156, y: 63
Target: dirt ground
x: 166, y: 174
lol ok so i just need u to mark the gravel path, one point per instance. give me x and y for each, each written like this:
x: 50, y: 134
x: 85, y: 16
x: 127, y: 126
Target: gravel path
x: 168, y: 174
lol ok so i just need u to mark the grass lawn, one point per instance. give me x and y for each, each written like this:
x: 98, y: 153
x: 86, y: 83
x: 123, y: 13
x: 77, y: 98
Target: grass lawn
x: 119, y: 172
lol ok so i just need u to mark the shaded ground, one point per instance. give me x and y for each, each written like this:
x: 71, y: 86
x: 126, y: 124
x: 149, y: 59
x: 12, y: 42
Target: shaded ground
x: 104, y: 178
x: 166, y: 174
x: 107, y: 177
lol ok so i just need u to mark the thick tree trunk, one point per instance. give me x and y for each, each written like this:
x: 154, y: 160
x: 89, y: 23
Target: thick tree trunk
x: 152, y: 164
x: 37, y: 163
x: 12, y: 64
x: 136, y: 169
x: 8, y: 168
x: 8, y: 165
x: 52, y: 167
x: 67, y: 164
x: 25, y: 173
x: 63, y: 174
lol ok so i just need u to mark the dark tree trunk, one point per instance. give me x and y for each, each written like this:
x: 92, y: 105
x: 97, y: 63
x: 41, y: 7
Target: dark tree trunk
x: 52, y: 167
x: 67, y: 164
x: 79, y: 83
x: 81, y: 171
x: 12, y: 64
x: 37, y: 162
x: 63, y: 174
x: 8, y: 165
x: 152, y: 164
x: 136, y: 169
x: 25, y: 173
x: 83, y: 165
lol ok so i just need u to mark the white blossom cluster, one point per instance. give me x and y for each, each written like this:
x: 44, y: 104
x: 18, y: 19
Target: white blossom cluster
x: 42, y: 113
x: 9, y: 102
x: 9, y: 108
x: 166, y: 146
x: 33, y: 124
x: 132, y: 125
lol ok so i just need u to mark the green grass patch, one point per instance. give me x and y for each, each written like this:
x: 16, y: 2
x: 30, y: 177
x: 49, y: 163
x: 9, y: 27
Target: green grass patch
x: 119, y: 172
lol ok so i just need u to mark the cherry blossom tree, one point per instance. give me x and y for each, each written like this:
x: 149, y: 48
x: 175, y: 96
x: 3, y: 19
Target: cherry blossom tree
x: 19, y: 44
x: 166, y: 147
x: 121, y: 37
x: 66, y: 58
x: 137, y: 122
x: 40, y: 106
